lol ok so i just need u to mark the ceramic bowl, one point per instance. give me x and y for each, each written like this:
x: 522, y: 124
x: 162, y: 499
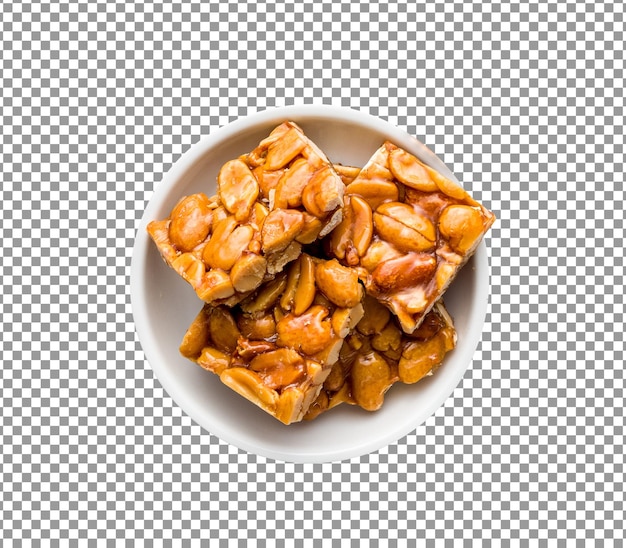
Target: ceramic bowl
x: 164, y: 305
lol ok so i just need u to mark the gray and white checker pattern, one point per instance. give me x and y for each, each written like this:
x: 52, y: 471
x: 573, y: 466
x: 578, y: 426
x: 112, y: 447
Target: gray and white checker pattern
x: 523, y: 100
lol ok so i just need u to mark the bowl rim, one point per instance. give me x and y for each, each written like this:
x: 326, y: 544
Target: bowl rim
x: 148, y: 341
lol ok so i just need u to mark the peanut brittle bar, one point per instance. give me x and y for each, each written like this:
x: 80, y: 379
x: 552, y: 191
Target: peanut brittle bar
x: 271, y: 201
x: 378, y: 354
x: 277, y: 347
x: 408, y: 230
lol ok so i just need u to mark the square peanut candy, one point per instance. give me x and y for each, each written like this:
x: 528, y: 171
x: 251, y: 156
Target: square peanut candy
x: 408, y: 230
x: 270, y: 202
x: 277, y: 347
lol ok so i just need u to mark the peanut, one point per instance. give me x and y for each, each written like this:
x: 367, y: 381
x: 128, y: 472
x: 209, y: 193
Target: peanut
x: 190, y: 268
x: 371, y: 378
x: 197, y: 336
x: 223, y: 328
x: 289, y: 189
x: 363, y: 225
x: 353, y: 235
x: 266, y: 296
x: 462, y: 226
x: 419, y: 358
x: 318, y: 406
x: 450, y: 188
x: 219, y: 214
x: 277, y: 261
x: 257, y: 327
x: 374, y: 192
x: 257, y: 216
x: 311, y: 229
x: 410, y: 171
x: 332, y: 222
x: 226, y: 244
x: 338, y: 283
x: 248, y: 271
x: 237, y: 188
x: 323, y: 193
x: 159, y: 232
x: 213, y: 360
x: 378, y: 252
x: 404, y: 227
x: 290, y: 405
x: 309, y: 333
x: 444, y: 275
x: 305, y: 292
x: 330, y: 354
x: 345, y: 319
x: 388, y: 339
x: 190, y: 222
x: 285, y: 149
x: 316, y: 372
x: 279, y: 368
x: 289, y: 293
x: 267, y: 180
x: 215, y: 285
x: 409, y: 270
x: 248, y: 350
x: 280, y: 229
x: 336, y: 378
x: 347, y: 173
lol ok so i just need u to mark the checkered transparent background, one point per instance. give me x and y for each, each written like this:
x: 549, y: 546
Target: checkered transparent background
x: 524, y: 101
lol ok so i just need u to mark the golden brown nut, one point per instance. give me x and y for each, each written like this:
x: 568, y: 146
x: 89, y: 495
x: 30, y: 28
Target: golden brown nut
x: 462, y: 225
x: 238, y: 189
x: 305, y: 291
x: 310, y: 332
x: 227, y: 244
x: 404, y: 227
x: 322, y: 195
x: 350, y: 240
x: 280, y: 229
x: 257, y: 327
x: 338, y: 283
x: 408, y: 170
x: 371, y: 378
x: 285, y: 149
x: 288, y: 193
x: 347, y: 173
x: 248, y: 272
x: 401, y: 272
x: 190, y: 222
x: 375, y: 192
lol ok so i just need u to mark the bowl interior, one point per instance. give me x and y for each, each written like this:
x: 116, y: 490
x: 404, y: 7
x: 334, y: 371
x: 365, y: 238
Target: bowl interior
x: 164, y: 305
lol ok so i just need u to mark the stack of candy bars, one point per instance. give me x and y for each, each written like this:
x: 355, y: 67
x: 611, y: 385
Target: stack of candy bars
x: 321, y: 284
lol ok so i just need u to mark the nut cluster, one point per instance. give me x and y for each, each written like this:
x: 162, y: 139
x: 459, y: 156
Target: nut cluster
x: 408, y: 230
x: 378, y: 354
x: 270, y: 202
x: 277, y: 347
x: 322, y: 283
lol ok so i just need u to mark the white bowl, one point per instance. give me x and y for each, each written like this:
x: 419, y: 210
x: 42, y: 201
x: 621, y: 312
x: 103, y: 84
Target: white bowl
x: 164, y: 305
